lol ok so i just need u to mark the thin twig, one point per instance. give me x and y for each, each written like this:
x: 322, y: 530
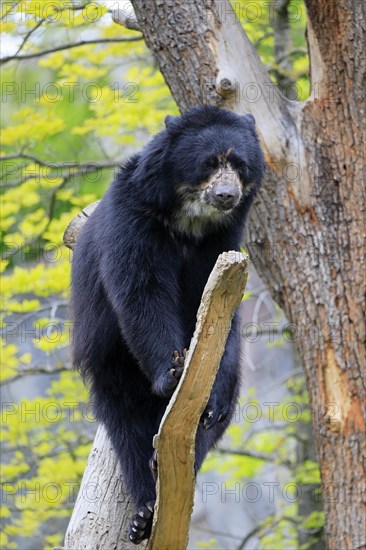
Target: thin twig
x: 65, y: 164
x: 28, y: 35
x: 249, y: 454
x: 25, y: 316
x: 6, y: 13
x: 49, y: 214
x: 254, y: 454
x: 68, y: 47
x: 86, y: 168
x: 33, y: 370
x: 247, y: 537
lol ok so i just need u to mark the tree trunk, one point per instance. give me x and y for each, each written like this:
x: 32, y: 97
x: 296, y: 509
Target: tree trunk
x: 307, y: 230
x: 103, y: 508
x: 282, y: 48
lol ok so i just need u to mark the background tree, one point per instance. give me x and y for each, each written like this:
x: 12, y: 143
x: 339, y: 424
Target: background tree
x: 317, y: 215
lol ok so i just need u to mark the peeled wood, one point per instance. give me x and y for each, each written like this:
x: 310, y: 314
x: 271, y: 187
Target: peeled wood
x: 175, y: 441
x: 103, y: 507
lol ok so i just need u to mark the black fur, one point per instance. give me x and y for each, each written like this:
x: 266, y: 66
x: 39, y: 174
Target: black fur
x: 138, y: 277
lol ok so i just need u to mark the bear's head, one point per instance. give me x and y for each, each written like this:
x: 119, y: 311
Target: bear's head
x: 208, y: 165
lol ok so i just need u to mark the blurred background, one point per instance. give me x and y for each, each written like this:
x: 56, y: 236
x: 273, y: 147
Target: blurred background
x: 79, y: 94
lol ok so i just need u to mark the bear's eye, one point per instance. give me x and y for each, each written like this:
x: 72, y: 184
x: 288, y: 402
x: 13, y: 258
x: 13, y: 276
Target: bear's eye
x: 212, y: 162
x: 239, y: 163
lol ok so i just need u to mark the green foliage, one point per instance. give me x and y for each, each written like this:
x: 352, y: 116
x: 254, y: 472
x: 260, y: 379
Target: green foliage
x: 45, y: 458
x: 248, y: 451
x: 211, y: 543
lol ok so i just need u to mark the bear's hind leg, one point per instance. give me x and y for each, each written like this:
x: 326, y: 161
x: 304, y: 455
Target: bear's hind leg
x: 131, y: 434
x: 135, y: 450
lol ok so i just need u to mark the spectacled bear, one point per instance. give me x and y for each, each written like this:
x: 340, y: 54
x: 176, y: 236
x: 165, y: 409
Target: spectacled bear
x: 139, y: 269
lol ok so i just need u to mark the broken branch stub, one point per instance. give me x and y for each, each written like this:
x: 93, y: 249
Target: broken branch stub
x: 73, y: 229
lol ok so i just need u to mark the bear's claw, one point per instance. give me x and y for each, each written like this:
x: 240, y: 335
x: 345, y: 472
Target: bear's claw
x: 153, y: 463
x: 179, y: 360
x: 141, y: 523
x: 214, y: 414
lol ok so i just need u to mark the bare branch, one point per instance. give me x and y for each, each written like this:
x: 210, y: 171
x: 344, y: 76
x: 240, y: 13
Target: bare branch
x: 175, y: 442
x: 8, y: 12
x: 63, y: 164
x: 256, y: 455
x: 248, y: 536
x: 33, y: 370
x: 71, y: 8
x: 73, y: 229
x: 86, y: 169
x: 249, y: 454
x: 52, y: 306
x: 68, y: 47
x: 82, y: 168
x: 28, y: 35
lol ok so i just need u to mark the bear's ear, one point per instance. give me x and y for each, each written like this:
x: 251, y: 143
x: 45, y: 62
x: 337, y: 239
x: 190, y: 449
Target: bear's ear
x: 249, y: 119
x: 171, y: 121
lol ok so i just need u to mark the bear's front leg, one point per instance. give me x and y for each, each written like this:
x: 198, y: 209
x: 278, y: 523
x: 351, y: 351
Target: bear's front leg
x: 148, y: 310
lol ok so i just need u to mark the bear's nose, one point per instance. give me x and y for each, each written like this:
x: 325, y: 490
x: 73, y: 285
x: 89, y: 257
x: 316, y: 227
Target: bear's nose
x: 225, y: 196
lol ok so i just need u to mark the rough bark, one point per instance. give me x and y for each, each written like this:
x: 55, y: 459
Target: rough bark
x: 306, y: 232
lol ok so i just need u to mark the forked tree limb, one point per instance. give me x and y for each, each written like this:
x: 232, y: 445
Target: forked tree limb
x: 103, y: 508
x: 175, y: 441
